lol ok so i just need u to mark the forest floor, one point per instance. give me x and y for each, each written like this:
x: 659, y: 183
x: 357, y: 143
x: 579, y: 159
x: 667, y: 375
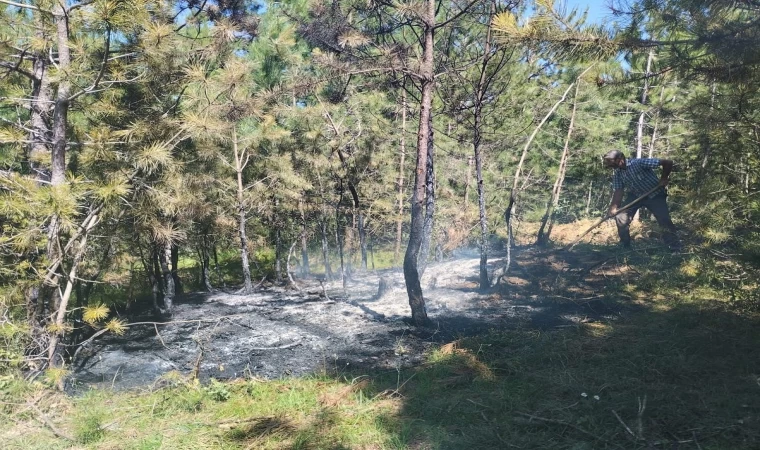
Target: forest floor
x: 326, y: 327
x: 594, y: 348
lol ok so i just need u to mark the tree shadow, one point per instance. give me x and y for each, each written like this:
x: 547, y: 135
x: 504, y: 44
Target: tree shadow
x: 656, y: 367
x: 666, y: 379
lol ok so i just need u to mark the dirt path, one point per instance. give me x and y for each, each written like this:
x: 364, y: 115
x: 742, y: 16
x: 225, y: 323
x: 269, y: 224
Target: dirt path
x: 280, y: 331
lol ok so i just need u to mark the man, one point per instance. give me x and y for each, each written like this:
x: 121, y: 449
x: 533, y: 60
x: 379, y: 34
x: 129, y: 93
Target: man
x: 636, y: 177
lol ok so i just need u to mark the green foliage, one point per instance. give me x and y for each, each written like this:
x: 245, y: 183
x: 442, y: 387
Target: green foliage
x: 89, y: 429
x: 217, y: 391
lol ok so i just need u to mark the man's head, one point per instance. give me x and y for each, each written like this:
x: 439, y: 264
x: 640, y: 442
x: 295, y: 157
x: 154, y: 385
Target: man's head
x: 614, y: 160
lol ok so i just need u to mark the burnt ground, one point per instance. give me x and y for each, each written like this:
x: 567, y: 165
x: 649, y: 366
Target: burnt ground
x: 280, y: 331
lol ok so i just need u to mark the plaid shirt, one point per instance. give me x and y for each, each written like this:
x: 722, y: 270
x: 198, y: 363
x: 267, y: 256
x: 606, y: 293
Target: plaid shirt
x: 638, y: 177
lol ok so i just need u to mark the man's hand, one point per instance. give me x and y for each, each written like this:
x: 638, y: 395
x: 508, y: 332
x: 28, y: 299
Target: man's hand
x: 664, y: 182
x: 612, y: 211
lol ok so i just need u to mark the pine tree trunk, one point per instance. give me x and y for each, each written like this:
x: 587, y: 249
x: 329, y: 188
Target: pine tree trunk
x: 304, y: 244
x: 411, y: 276
x: 339, y: 235
x: 164, y: 258
x: 205, y: 264
x: 656, y: 124
x: 548, y: 219
x: 247, y: 283
x: 175, y: 264
x: 323, y: 231
x: 326, y: 249
x: 278, y: 255
x: 61, y: 106
x: 363, y: 241
x: 477, y: 137
x: 58, y: 171
x: 153, y: 271
x: 510, y: 214
x: 242, y: 236
x: 54, y: 350
x: 359, y: 222
x: 468, y: 175
x: 39, y: 114
x: 427, y: 230
x: 642, y: 115
x: 400, y: 183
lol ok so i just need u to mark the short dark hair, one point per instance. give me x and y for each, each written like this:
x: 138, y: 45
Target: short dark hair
x: 614, y: 154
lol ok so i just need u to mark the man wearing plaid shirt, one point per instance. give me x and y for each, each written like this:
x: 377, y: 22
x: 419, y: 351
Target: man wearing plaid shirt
x: 636, y: 176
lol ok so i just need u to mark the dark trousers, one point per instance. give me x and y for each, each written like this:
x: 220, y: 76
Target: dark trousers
x: 659, y: 208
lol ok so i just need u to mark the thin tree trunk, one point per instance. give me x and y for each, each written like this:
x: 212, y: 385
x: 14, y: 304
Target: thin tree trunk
x: 239, y: 166
x: 339, y: 224
x: 400, y: 183
x: 54, y: 352
x: 156, y: 285
x: 510, y: 214
x: 164, y: 258
x: 543, y: 237
x: 175, y: 264
x: 642, y: 115
x: 468, y: 175
x: 656, y: 123
x: 219, y: 274
x: 427, y: 230
x: 363, y: 240
x: 588, y: 201
x: 304, y: 244
x: 326, y: 249
x: 287, y: 266
x: 205, y: 264
x: 705, y: 139
x: 477, y: 137
x: 323, y: 231
x: 359, y: 219
x: 411, y: 276
x: 278, y: 254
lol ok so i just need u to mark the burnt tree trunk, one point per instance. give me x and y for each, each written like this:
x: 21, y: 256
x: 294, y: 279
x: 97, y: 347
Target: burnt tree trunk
x: 359, y: 223
x: 477, y: 137
x: 153, y: 271
x: 411, y: 276
x: 427, y: 230
x: 205, y: 257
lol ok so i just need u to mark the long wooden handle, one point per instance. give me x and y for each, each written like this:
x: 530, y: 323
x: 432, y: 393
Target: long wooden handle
x: 573, y: 244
